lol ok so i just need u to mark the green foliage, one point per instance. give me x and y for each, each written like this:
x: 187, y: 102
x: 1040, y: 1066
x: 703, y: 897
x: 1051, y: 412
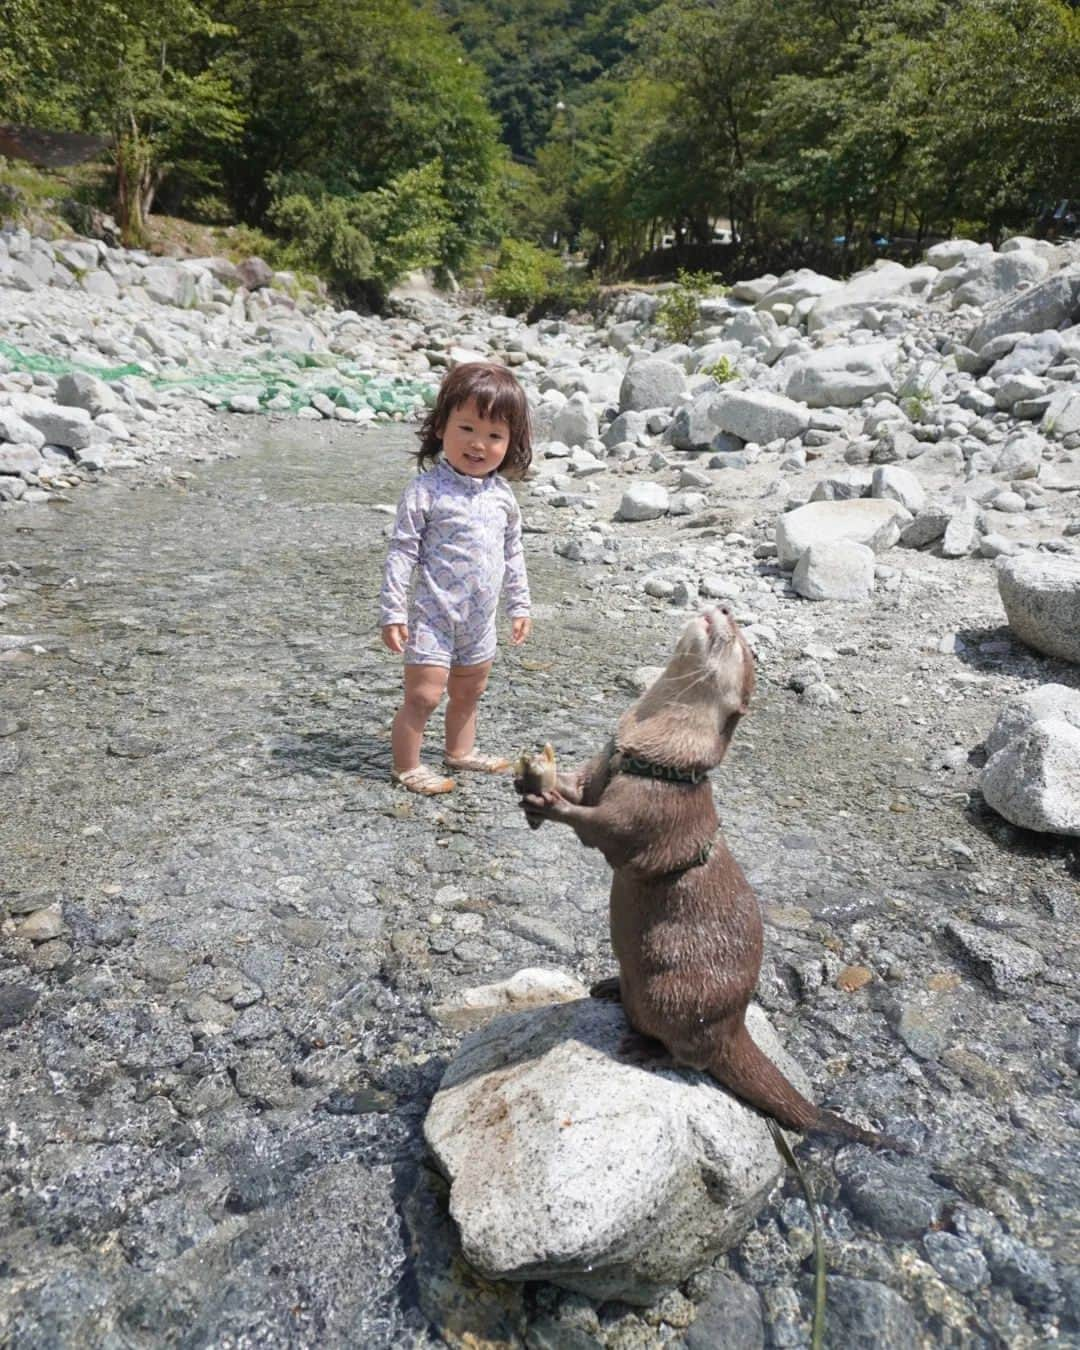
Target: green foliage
x: 536, y: 53
x: 678, y: 312
x: 352, y: 95
x: 531, y: 280
x: 362, y: 243
x: 722, y: 371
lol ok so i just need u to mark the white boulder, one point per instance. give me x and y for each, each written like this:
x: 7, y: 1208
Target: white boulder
x: 887, y: 287
x: 566, y: 1164
x: 1041, y: 596
x: 840, y: 570
x: 651, y: 383
x: 1034, y: 779
x: 840, y: 376
x: 757, y: 415
x: 644, y: 501
x: 875, y: 522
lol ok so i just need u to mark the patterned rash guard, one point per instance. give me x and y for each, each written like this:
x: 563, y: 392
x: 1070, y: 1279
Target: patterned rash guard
x: 462, y: 535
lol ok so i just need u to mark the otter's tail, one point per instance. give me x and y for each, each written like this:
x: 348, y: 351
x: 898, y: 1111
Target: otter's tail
x: 751, y: 1075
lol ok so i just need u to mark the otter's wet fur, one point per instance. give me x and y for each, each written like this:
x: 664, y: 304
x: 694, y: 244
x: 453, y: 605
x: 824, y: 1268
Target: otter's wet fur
x: 685, y: 925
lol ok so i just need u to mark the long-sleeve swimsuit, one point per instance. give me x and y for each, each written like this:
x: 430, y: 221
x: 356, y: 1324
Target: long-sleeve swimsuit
x: 462, y: 535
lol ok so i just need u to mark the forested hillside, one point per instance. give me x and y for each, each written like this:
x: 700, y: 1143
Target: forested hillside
x: 369, y: 136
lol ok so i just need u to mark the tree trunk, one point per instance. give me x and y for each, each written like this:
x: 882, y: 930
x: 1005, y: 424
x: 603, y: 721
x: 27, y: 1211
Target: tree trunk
x: 136, y: 183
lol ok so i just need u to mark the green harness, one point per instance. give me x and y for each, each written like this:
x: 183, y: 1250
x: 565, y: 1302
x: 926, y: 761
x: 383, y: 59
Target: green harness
x: 665, y: 773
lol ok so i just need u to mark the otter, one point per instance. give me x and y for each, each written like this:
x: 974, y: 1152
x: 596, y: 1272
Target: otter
x: 685, y: 925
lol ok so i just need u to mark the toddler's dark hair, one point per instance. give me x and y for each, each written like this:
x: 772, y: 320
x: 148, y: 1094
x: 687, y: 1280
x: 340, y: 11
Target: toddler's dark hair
x: 498, y: 397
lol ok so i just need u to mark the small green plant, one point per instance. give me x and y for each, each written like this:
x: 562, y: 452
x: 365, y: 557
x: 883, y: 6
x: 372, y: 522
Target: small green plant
x: 678, y: 312
x: 722, y: 371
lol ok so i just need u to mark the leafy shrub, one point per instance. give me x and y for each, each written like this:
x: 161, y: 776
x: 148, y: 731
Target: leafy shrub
x: 523, y: 276
x: 365, y: 242
x: 530, y: 280
x: 677, y: 313
x: 722, y: 371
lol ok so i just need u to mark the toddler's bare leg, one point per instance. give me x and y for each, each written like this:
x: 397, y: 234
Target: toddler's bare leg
x: 464, y: 687
x: 424, y: 687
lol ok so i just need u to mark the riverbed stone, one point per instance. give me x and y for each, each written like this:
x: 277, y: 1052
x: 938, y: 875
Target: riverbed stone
x: 840, y: 375
x: 1041, y: 597
x: 875, y: 522
x: 651, y: 383
x: 1019, y: 715
x: 69, y: 427
x: 644, y: 501
x: 1034, y: 779
x: 838, y: 570
x: 1049, y: 304
x: 568, y: 1165
x: 758, y: 415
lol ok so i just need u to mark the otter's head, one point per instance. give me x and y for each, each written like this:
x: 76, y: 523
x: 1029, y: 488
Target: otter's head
x: 687, y: 717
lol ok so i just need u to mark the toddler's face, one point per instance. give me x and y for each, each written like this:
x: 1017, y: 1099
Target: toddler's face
x: 473, y: 444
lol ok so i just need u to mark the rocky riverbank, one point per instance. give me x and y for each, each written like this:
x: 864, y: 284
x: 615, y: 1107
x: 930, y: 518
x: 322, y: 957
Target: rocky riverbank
x: 231, y: 951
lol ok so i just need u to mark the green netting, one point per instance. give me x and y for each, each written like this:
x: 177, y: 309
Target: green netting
x: 284, y: 381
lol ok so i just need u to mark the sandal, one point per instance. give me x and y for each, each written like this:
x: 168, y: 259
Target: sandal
x: 423, y: 780
x: 477, y: 764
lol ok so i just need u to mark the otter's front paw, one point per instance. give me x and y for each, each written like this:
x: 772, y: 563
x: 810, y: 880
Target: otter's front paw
x: 544, y: 806
x: 608, y: 989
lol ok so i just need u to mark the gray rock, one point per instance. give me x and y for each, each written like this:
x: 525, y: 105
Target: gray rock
x: 898, y: 485
x: 643, y: 501
x: 729, y: 1315
x: 1048, y: 701
x: 1002, y: 962
x: 868, y: 1315
x: 18, y: 431
x: 840, y: 376
x: 1062, y: 415
x: 254, y: 273
x: 959, y: 1263
x: 840, y: 570
x: 533, y: 987
x: 78, y: 390
x: 796, y: 287
x: 1021, y: 457
x: 887, y: 288
x: 651, y: 383
x: 568, y: 1165
x: 897, y: 1199
x: 628, y: 426
x: 1024, y: 1270
x: 1049, y: 304
x: 1041, y: 596
x: 846, y: 486
x: 985, y: 278
x: 949, y: 252
x: 20, y: 459
x: 69, y: 427
x: 757, y: 415
x: 575, y: 422
x: 874, y: 522
x: 962, y: 533
x: 1034, y: 779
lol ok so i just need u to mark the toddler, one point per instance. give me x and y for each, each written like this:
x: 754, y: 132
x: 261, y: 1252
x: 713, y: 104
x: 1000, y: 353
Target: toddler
x: 459, y: 526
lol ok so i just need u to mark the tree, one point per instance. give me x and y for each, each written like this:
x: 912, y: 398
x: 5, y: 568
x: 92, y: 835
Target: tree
x: 143, y: 70
x: 345, y: 96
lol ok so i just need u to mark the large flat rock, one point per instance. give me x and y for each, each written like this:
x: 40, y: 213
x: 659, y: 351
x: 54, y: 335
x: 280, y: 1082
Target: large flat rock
x: 873, y: 521
x: 567, y: 1164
